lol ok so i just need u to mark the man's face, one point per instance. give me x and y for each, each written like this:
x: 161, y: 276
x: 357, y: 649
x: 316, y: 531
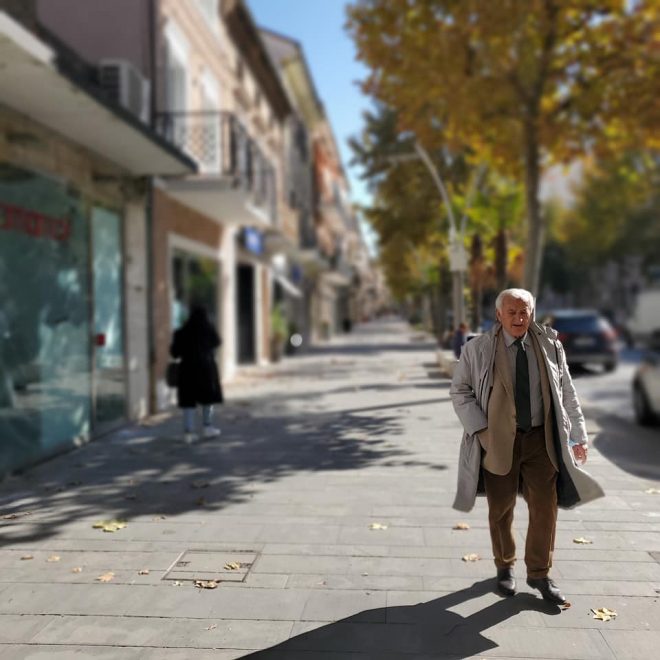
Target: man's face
x: 515, y: 316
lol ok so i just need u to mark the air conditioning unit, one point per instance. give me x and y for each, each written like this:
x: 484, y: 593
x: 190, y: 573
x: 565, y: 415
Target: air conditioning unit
x: 124, y: 84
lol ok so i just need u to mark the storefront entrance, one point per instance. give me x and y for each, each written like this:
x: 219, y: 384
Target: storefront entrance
x: 109, y: 384
x: 245, y: 308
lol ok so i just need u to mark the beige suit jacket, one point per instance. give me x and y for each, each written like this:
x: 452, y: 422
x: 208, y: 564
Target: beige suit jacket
x: 497, y: 440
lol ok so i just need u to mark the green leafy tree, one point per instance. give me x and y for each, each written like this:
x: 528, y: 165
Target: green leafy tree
x: 518, y: 83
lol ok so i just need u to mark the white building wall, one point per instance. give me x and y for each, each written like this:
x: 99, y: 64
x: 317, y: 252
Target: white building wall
x: 137, y: 324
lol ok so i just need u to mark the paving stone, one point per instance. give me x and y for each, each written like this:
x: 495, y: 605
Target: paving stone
x: 16, y: 629
x: 335, y: 605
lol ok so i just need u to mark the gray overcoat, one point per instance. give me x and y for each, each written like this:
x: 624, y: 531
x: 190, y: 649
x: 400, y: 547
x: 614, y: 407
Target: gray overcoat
x: 470, y: 390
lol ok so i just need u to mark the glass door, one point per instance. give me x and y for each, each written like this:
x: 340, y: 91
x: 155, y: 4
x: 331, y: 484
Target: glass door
x: 108, y: 316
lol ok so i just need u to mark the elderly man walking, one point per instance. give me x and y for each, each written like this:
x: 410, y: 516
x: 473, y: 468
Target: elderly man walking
x: 524, y: 431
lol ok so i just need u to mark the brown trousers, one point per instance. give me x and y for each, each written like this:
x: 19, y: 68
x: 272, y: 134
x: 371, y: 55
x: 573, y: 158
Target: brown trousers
x: 531, y: 466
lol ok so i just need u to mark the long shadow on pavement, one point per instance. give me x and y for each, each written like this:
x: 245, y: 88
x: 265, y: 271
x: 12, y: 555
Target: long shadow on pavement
x: 145, y: 471
x: 429, y: 629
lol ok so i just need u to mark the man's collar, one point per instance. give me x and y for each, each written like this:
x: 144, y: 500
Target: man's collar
x: 509, y: 339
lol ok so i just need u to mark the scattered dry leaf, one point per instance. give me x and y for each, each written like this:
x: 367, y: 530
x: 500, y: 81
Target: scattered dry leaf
x: 604, y: 614
x: 13, y: 516
x: 26, y: 557
x: 471, y: 557
x: 653, y: 491
x: 177, y: 583
x: 566, y: 605
x: 233, y: 566
x: 213, y: 626
x: 106, y: 577
x: 130, y: 497
x: 461, y: 525
x: 155, y: 518
x: 77, y: 569
x: 582, y: 540
x: 206, y: 584
x: 53, y: 558
x: 109, y: 525
x: 377, y: 526
x: 200, y: 501
x: 144, y: 571
x: 200, y: 484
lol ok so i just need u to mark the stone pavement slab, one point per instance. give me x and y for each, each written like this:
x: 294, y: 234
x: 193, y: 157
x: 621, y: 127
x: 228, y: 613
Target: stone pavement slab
x: 313, y: 452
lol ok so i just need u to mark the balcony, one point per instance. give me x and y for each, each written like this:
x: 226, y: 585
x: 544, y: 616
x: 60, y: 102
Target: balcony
x: 236, y: 182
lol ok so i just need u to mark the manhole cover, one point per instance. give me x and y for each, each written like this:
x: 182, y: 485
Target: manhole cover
x: 223, y: 566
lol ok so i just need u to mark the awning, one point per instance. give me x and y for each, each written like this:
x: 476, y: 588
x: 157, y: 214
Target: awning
x: 34, y: 83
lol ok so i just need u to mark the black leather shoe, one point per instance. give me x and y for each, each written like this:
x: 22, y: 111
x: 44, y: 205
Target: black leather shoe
x: 548, y: 589
x: 506, y: 583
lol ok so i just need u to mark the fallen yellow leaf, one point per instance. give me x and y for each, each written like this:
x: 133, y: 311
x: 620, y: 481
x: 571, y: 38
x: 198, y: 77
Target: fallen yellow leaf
x: 106, y: 577
x: 213, y: 626
x: 156, y: 518
x: 109, y: 525
x: 53, y: 558
x: 604, y: 614
x: 461, y: 525
x: 200, y: 501
x: 653, y: 491
x: 144, y: 571
x: 234, y: 566
x: 565, y: 605
x: 26, y: 557
x: 206, y: 584
x: 582, y: 540
x: 13, y: 516
x: 77, y: 569
x: 176, y: 583
x: 471, y: 557
x: 377, y: 526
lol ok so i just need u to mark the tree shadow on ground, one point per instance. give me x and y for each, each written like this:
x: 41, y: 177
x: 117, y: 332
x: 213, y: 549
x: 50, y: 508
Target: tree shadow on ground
x: 633, y: 448
x: 429, y: 630
x: 147, y: 470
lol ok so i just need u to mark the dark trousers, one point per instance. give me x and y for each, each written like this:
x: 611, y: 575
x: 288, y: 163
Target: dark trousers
x: 531, y: 466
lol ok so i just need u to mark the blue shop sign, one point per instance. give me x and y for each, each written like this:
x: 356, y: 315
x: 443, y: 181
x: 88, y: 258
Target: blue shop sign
x: 253, y: 241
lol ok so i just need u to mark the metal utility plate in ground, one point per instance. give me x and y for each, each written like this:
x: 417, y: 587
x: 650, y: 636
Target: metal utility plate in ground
x: 193, y: 565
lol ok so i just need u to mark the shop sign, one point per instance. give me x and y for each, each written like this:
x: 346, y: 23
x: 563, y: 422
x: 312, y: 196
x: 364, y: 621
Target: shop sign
x: 253, y: 240
x: 32, y: 223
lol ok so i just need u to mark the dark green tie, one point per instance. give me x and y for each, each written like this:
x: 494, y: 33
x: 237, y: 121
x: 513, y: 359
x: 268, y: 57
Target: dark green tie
x: 523, y: 401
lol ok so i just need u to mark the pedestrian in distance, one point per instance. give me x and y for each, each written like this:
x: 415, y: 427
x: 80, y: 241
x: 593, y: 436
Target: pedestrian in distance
x: 198, y: 381
x: 458, y: 339
x: 523, y: 429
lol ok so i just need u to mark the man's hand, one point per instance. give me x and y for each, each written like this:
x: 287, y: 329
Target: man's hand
x: 580, y: 453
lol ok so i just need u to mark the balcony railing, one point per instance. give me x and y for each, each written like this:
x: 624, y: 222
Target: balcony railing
x: 221, y: 146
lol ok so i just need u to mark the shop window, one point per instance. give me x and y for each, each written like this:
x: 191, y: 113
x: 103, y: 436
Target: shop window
x: 45, y: 371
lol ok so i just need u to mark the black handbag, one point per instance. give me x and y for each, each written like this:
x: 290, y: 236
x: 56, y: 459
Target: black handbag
x: 172, y: 374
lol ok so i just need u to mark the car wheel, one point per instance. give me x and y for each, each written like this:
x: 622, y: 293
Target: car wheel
x: 643, y: 413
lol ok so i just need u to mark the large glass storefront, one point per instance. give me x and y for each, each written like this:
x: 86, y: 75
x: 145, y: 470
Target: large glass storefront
x: 57, y: 320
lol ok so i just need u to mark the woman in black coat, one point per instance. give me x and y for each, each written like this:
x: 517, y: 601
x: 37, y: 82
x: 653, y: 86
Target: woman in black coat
x: 198, y: 380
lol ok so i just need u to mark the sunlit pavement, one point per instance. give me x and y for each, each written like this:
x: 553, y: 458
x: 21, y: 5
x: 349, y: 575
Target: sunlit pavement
x: 324, y: 511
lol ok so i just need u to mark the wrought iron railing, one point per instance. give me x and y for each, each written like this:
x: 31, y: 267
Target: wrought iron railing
x: 221, y: 146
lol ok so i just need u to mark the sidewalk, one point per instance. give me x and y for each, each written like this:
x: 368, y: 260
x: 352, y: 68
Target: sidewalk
x: 314, y: 451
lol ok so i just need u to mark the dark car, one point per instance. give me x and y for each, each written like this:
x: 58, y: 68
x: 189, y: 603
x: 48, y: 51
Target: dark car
x: 587, y: 337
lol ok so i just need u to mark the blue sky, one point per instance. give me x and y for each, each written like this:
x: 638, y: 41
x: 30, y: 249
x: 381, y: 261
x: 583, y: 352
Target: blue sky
x: 319, y: 26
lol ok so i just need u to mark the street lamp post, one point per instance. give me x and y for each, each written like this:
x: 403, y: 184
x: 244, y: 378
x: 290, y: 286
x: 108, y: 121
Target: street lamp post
x: 457, y: 253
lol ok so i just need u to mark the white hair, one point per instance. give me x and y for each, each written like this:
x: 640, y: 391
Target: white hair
x: 517, y: 294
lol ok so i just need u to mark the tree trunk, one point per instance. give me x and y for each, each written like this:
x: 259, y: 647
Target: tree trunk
x: 535, y: 223
x: 501, y: 248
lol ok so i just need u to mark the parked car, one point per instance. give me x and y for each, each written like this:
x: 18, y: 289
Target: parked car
x: 646, y: 384
x: 587, y: 337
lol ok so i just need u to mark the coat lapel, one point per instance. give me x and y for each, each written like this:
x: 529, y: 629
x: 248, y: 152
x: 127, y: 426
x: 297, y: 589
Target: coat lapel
x: 503, y: 367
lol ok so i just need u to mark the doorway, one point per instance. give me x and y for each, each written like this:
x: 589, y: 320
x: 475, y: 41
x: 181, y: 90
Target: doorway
x: 109, y: 384
x: 245, y: 294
